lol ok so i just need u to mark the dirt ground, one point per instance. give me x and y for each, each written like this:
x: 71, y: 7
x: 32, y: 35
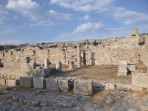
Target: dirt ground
x: 102, y: 73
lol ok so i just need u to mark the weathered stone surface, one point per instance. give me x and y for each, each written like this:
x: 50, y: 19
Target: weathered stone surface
x: 122, y: 68
x: 123, y: 86
x: 26, y: 60
x: 110, y: 86
x: 135, y: 32
x: 2, y: 81
x: 83, y: 87
x: 59, y: 65
x: 64, y: 84
x: 79, y: 63
x: 46, y: 63
x: 122, y: 62
x: 131, y: 68
x: 10, y: 82
x: 71, y: 65
x: 42, y: 72
x: 92, y: 58
x: 140, y: 80
x: 52, y: 84
x: 26, y: 81
x: 39, y: 82
x: 98, y: 86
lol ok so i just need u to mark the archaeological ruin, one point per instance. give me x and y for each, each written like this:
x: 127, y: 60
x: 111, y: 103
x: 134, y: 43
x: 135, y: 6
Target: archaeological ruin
x: 56, y: 66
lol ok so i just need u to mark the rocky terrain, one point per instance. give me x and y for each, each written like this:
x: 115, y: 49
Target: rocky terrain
x: 28, y: 99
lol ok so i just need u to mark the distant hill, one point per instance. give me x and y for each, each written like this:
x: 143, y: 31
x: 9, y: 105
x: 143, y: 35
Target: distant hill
x: 7, y: 47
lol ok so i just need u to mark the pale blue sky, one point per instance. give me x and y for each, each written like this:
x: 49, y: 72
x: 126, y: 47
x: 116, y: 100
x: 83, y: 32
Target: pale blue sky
x: 29, y: 21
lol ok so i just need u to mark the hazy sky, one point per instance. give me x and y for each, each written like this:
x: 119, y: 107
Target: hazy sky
x: 27, y: 21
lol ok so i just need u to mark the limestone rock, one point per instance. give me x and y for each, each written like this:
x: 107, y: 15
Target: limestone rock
x: 83, y: 87
x: 10, y: 82
x: 39, y: 82
x: 52, y: 84
x: 140, y: 80
x: 64, y: 84
x: 26, y: 81
x: 2, y: 81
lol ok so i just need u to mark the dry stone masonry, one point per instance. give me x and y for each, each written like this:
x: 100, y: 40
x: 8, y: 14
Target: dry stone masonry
x: 29, y: 64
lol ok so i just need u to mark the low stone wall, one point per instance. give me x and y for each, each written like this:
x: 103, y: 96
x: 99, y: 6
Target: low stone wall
x: 39, y: 82
x: 83, y: 87
x: 26, y: 82
x: 2, y: 81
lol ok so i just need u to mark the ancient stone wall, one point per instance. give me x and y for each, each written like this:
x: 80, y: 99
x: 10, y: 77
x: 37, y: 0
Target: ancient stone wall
x: 106, y: 52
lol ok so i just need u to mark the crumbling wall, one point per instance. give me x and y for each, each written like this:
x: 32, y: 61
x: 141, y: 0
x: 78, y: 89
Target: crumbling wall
x: 106, y: 52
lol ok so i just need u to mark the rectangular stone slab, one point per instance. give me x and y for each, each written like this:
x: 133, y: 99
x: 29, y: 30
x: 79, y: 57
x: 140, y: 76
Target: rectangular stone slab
x: 2, y: 81
x: 131, y: 68
x: 39, y: 82
x: 26, y: 82
x: 65, y: 84
x: 140, y: 80
x: 83, y: 87
x: 10, y: 82
x: 52, y: 84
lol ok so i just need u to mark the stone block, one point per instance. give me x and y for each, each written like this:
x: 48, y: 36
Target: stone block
x: 98, y: 86
x: 122, y: 62
x: 110, y: 86
x: 2, y: 81
x: 122, y: 70
x: 52, y: 84
x: 131, y: 68
x: 26, y: 81
x: 42, y: 72
x: 39, y: 82
x: 59, y: 66
x: 46, y: 63
x: 123, y: 86
x: 140, y: 80
x: 71, y: 65
x: 65, y: 85
x: 83, y: 87
x: 10, y: 82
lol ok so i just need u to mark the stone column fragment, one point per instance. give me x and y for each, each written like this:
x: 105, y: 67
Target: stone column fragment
x: 92, y: 58
x: 59, y: 66
x: 71, y: 65
x: 79, y: 64
x: 46, y: 63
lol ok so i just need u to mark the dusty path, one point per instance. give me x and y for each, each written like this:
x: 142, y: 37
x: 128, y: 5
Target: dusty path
x: 102, y: 73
